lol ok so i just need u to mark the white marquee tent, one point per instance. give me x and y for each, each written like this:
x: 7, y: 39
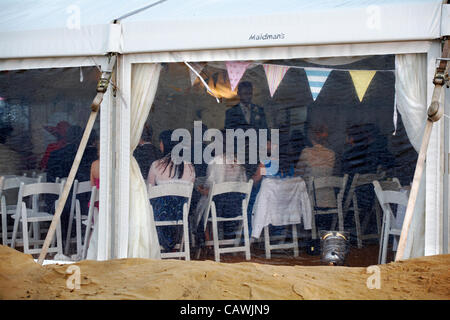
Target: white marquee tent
x: 59, y: 34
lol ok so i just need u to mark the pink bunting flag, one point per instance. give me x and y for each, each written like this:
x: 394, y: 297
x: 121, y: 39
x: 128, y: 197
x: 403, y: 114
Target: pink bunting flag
x: 274, y: 75
x: 236, y: 70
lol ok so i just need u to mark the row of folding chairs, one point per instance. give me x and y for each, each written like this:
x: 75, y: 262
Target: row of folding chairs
x: 346, y: 202
x: 27, y: 211
x: 388, y: 195
x: 339, y: 210
x: 221, y: 246
x: 31, y: 214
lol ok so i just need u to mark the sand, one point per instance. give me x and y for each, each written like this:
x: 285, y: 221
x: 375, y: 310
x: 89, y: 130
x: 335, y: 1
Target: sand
x: 22, y: 278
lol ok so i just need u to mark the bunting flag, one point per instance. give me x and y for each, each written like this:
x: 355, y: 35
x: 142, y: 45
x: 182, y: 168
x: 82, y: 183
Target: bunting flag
x: 236, y: 70
x: 316, y: 79
x: 361, y: 81
x: 274, y: 75
x: 197, y: 67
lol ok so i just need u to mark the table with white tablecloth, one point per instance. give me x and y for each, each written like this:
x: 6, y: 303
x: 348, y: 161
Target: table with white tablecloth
x: 280, y: 202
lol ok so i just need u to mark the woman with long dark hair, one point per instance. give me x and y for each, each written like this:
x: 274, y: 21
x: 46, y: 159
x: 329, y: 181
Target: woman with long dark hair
x: 165, y: 170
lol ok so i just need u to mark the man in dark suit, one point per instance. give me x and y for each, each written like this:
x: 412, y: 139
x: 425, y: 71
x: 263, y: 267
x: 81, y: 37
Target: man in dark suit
x: 245, y: 115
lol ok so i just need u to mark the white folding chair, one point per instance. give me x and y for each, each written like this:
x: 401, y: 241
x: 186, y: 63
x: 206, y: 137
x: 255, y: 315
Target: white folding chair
x: 351, y: 204
x: 25, y: 215
x: 7, y: 184
x: 386, y: 198
x: 177, y: 189
x: 223, y: 188
x: 393, y: 185
x: 316, y: 184
x: 88, y: 221
x: 34, y: 174
x: 75, y: 213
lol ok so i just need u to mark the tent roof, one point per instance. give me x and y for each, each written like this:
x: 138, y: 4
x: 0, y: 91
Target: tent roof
x: 45, y: 28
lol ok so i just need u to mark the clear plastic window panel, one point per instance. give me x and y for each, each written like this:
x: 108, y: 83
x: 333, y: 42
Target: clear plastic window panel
x: 335, y: 123
x: 43, y: 114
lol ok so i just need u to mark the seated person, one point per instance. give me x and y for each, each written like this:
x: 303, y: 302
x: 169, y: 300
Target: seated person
x: 59, y: 165
x: 223, y: 168
x: 60, y: 133
x: 145, y: 153
x: 163, y: 171
x: 355, y: 158
x: 318, y: 161
x: 280, y: 164
x: 365, y: 152
x: 378, y: 149
x: 297, y: 144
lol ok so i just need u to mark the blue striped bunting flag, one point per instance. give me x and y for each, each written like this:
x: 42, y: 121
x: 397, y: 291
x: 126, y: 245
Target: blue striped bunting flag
x: 316, y: 79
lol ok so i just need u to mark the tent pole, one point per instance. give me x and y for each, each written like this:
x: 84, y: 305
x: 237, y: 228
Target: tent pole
x: 435, y: 112
x: 102, y: 86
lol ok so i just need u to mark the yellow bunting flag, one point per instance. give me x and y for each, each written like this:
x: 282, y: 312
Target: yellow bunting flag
x: 361, y: 81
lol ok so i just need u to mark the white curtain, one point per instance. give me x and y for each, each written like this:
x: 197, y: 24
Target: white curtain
x: 143, y: 239
x: 411, y: 94
x: 411, y: 100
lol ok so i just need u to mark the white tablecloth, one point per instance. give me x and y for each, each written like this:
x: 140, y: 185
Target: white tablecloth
x: 281, y: 202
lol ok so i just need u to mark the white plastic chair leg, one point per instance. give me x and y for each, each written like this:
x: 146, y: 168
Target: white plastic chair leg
x: 295, y: 239
x: 59, y: 238
x: 357, y: 221
x: 78, y: 227
x: 381, y: 239
x: 186, y: 233
x: 87, y: 238
x: 35, y: 234
x: 215, y: 232
x: 69, y: 233
x: 246, y: 235
x: 15, y: 231
x: 4, y: 224
x: 378, y: 217
x: 267, y: 242
x: 26, y: 247
x: 385, y: 240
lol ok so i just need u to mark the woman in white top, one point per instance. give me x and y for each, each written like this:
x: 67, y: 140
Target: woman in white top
x: 162, y: 171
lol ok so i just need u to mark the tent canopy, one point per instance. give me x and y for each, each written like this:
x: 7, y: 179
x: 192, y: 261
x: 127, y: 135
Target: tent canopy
x: 81, y: 28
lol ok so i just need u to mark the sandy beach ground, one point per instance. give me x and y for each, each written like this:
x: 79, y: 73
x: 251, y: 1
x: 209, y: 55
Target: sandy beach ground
x: 22, y: 278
